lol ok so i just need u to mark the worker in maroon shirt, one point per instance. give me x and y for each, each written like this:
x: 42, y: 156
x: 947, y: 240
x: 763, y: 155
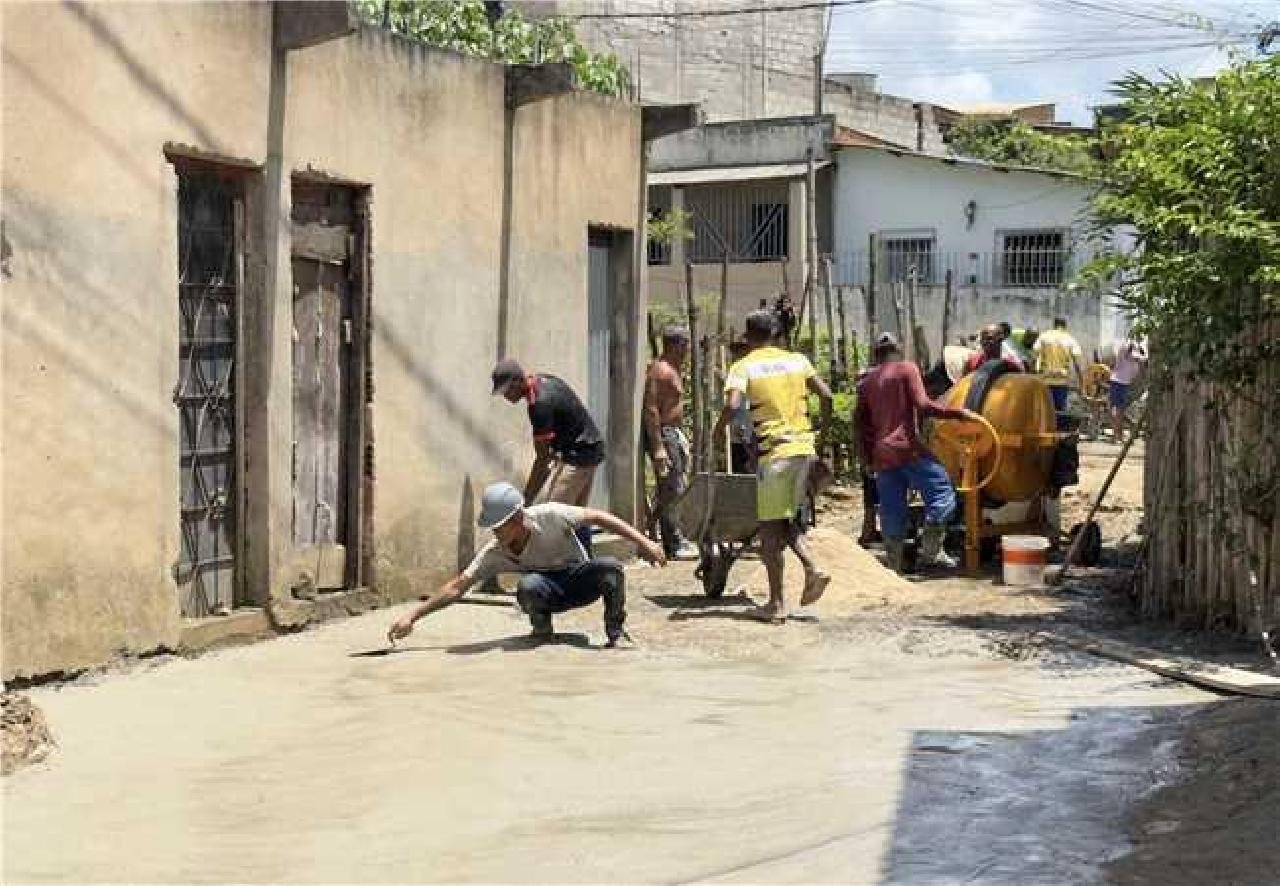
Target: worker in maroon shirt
x: 891, y: 400
x: 991, y: 340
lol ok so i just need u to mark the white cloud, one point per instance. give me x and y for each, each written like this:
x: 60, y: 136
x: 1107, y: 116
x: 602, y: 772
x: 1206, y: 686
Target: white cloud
x: 962, y: 88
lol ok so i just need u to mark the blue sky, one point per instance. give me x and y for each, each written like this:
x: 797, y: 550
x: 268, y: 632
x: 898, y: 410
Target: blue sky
x: 1062, y: 51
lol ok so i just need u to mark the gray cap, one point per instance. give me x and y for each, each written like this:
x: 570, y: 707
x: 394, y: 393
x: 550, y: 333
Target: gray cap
x: 499, y: 503
x: 886, y: 340
x: 505, y: 372
x: 676, y: 333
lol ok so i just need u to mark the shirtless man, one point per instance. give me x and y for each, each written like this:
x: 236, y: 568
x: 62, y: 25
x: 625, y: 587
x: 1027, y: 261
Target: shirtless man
x: 664, y: 438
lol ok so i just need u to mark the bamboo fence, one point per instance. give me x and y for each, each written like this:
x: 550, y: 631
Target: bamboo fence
x: 1213, y: 532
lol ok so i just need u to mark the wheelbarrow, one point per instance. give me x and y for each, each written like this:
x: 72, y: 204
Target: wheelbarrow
x: 718, y: 511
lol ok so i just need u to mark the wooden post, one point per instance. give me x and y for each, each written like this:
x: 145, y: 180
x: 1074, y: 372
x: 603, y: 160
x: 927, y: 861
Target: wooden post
x: 811, y: 223
x: 695, y: 363
x: 898, y: 311
x: 946, y: 313
x: 844, y: 333
x: 871, y: 292
x: 720, y: 345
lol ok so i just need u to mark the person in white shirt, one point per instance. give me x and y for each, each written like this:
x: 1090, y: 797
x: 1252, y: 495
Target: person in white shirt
x: 1130, y: 359
x: 557, y: 575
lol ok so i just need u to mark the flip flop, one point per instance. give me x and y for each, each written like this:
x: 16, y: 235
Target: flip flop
x: 815, y: 585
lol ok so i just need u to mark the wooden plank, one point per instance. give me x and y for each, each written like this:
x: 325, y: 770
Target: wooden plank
x: 1198, y: 673
x: 358, y: 274
x: 305, y: 418
x: 320, y: 242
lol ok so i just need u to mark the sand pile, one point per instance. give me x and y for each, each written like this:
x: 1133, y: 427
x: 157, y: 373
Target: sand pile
x: 26, y: 738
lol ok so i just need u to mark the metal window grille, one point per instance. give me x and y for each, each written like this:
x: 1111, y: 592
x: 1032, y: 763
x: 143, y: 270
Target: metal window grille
x: 901, y: 254
x: 1033, y: 258
x: 208, y: 283
x: 748, y: 221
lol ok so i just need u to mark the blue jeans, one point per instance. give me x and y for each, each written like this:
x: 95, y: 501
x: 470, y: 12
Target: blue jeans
x: 543, y: 594
x: 1059, y: 393
x: 927, y: 476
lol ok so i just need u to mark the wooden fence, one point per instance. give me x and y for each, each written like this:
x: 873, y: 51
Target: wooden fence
x: 1213, y: 503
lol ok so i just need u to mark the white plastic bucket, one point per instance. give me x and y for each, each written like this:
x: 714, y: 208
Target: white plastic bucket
x: 1023, y: 558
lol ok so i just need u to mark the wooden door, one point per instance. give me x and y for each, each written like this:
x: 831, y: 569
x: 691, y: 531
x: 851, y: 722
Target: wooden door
x: 600, y: 304
x: 325, y: 319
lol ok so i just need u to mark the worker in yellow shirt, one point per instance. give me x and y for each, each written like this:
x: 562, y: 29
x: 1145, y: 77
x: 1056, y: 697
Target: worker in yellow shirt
x: 1058, y: 357
x: 777, y: 384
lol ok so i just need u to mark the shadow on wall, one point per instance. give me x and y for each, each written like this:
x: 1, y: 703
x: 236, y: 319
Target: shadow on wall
x: 44, y: 252
x: 149, y: 82
x: 444, y: 407
x: 81, y: 124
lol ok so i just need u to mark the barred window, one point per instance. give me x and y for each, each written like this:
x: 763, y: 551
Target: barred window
x: 747, y: 220
x: 902, y: 252
x: 1033, y: 258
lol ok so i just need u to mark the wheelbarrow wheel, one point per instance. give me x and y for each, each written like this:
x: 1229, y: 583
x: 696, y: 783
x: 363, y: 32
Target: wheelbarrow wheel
x: 713, y: 570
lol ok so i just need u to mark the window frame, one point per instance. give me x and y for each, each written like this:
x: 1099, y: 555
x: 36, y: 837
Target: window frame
x: 928, y: 275
x: 1042, y: 274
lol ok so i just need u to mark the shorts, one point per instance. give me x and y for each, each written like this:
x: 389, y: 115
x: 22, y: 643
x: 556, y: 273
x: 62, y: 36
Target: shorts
x: 1118, y: 395
x: 1060, y: 393
x: 568, y: 484
x: 781, y: 484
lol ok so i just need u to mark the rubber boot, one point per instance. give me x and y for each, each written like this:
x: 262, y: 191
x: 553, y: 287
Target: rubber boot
x: 895, y: 549
x: 931, y: 552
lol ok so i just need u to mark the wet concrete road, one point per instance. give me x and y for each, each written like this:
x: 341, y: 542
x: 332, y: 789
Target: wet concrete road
x: 468, y: 758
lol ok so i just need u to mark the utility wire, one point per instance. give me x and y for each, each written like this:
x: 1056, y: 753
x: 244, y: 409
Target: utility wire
x: 719, y: 13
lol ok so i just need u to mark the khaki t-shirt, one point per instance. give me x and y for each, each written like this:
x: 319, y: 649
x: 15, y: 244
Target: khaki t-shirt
x: 551, y: 545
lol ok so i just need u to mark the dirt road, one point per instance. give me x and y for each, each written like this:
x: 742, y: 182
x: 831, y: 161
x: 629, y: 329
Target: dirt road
x: 888, y: 741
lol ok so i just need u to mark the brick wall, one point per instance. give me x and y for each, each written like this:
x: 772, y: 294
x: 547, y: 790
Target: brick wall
x: 737, y: 67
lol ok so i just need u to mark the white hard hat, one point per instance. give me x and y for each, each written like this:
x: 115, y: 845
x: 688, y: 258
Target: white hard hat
x: 498, y: 504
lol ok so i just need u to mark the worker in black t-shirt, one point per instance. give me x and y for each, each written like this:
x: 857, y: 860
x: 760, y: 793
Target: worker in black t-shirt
x: 567, y: 445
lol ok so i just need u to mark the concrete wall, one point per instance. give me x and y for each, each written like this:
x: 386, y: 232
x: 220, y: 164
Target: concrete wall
x: 894, y: 119
x: 878, y: 192
x: 738, y: 67
x: 90, y: 436
x: 743, y: 143
x: 90, y: 464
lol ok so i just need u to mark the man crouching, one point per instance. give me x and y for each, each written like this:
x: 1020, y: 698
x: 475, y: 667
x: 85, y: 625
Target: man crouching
x: 556, y: 574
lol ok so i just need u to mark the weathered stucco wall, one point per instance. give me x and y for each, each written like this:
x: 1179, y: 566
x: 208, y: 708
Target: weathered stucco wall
x: 91, y: 95
x: 90, y: 431
x: 577, y: 164
x: 424, y: 129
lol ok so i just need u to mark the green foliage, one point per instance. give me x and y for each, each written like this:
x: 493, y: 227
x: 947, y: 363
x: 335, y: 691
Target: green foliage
x: 1195, y: 168
x: 676, y: 224
x: 1018, y: 144
x: 461, y: 25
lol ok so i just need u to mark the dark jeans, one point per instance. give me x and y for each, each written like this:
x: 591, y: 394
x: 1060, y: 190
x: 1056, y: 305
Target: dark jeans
x: 543, y: 594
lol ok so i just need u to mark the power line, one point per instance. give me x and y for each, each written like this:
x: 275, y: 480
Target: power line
x: 718, y: 13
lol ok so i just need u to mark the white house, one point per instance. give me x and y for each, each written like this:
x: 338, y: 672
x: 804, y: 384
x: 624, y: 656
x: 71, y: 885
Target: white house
x: 1010, y: 239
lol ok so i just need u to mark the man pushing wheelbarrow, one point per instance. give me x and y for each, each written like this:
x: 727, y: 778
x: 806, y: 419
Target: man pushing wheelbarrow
x: 777, y: 383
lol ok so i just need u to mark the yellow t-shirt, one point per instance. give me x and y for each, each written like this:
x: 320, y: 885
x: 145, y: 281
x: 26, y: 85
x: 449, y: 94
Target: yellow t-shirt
x: 774, y: 381
x: 1054, y: 351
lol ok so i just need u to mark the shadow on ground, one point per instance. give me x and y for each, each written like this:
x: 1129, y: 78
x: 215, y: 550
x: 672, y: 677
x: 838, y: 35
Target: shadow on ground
x: 1043, y: 807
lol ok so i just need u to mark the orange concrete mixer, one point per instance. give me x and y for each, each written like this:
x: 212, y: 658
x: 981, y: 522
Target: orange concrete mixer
x: 1006, y: 458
